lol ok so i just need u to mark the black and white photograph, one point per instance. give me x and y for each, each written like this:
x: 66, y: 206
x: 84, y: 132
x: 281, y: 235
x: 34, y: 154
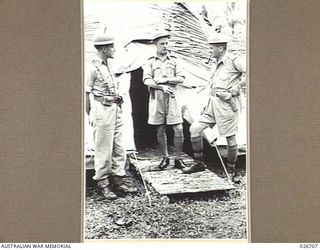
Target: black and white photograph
x: 165, y: 113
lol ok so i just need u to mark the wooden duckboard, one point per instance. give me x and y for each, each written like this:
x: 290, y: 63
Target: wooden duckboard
x: 173, y: 181
x: 145, y: 155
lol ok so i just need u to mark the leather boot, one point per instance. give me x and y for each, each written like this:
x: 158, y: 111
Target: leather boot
x: 120, y: 187
x: 179, y: 164
x: 198, y: 166
x: 108, y: 194
x: 164, y: 163
x: 105, y: 191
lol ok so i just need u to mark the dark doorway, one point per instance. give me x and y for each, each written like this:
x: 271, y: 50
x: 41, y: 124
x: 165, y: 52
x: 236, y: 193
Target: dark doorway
x: 144, y: 134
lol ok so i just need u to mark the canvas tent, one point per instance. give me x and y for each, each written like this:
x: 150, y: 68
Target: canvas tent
x: 134, y: 27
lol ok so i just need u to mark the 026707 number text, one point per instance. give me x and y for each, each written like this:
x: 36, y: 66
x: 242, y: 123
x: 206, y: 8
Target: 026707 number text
x: 308, y: 246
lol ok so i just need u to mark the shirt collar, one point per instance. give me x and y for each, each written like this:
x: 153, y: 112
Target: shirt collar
x: 166, y: 57
x: 222, y: 59
x: 99, y: 59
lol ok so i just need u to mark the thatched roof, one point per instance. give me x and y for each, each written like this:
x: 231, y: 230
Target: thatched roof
x: 188, y: 41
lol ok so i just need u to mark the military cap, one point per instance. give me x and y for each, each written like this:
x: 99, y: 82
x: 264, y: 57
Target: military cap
x: 218, y: 38
x: 161, y: 34
x: 103, y: 39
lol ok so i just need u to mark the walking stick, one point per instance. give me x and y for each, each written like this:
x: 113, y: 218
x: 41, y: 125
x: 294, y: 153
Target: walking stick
x: 212, y: 142
x: 141, y: 174
x: 221, y: 160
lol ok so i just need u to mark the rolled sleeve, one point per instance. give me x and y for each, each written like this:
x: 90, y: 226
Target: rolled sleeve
x: 240, y: 64
x: 147, y: 71
x: 90, y: 77
x: 179, y: 71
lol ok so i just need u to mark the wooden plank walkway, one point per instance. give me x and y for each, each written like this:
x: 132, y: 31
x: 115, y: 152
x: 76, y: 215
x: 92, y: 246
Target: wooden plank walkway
x: 89, y: 161
x: 173, y: 181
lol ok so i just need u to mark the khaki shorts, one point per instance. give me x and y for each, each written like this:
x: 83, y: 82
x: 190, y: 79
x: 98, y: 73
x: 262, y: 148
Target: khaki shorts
x: 221, y: 113
x: 164, y: 109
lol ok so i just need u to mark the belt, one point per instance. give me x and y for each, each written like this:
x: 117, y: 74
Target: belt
x: 109, y: 99
x: 99, y: 98
x: 214, y: 93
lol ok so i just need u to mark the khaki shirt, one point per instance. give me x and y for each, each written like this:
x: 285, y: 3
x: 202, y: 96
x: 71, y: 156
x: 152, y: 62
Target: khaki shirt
x: 163, y: 108
x: 224, y: 102
x: 168, y: 67
x: 101, y: 79
x: 228, y: 72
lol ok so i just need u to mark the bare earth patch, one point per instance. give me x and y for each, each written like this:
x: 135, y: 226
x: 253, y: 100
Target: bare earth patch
x: 213, y: 215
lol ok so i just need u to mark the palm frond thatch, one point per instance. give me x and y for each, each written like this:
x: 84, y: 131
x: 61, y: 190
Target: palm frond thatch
x: 189, y: 31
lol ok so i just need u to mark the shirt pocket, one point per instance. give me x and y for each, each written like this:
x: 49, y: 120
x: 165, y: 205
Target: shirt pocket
x: 170, y: 69
x: 157, y: 72
x: 100, y: 77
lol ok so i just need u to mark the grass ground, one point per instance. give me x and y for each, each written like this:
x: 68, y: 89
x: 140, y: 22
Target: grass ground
x: 212, y: 215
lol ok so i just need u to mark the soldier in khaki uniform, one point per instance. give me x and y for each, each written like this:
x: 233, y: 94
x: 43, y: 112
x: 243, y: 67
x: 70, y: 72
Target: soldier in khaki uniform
x: 224, y: 103
x: 105, y: 115
x: 162, y: 74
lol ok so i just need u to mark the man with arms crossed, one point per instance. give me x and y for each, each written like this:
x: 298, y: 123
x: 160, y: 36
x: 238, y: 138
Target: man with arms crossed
x: 162, y: 74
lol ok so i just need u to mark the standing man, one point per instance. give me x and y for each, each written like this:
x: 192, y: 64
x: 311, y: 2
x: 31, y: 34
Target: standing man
x: 224, y: 103
x: 105, y: 114
x: 162, y: 74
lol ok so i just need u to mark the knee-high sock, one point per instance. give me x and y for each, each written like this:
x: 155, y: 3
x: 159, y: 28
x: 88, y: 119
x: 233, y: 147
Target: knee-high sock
x: 162, y: 140
x: 197, y: 146
x: 178, y: 144
x: 232, y: 154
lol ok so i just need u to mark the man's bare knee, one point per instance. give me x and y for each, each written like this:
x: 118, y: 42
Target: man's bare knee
x: 178, y: 130
x: 195, y: 129
x: 161, y: 129
x: 232, y: 141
